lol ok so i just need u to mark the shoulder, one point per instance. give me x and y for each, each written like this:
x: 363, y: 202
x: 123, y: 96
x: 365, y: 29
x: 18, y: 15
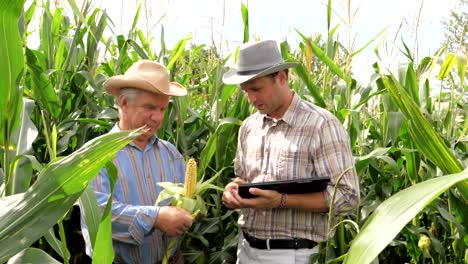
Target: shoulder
x: 309, y: 113
x: 252, y: 120
x: 169, y: 147
x: 250, y: 123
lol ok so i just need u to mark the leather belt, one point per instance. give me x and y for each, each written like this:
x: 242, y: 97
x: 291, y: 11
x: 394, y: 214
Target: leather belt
x: 295, y: 243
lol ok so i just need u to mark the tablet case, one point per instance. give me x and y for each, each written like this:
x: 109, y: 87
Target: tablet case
x: 286, y: 186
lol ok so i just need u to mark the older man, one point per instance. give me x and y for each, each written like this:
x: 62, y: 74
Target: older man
x: 141, y: 230
x: 288, y: 138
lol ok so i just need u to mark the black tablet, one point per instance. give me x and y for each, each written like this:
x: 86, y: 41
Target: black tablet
x: 287, y: 186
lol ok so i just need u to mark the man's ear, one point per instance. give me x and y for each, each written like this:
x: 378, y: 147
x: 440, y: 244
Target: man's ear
x: 282, y: 77
x: 122, y: 102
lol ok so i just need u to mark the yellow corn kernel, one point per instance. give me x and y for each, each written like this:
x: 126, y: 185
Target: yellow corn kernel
x: 190, y: 178
x: 424, y: 242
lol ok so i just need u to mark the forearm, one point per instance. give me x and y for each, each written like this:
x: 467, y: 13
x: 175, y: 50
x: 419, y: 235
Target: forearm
x: 314, y: 202
x: 130, y: 224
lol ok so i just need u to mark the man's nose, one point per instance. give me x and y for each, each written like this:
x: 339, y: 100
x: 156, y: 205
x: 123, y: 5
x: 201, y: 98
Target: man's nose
x: 157, y: 115
x: 251, y: 97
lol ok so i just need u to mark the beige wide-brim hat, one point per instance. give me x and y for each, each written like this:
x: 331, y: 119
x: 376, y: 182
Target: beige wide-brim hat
x: 256, y: 60
x: 145, y: 75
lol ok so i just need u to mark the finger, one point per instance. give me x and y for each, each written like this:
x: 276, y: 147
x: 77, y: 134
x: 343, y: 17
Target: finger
x: 186, y: 227
x: 262, y: 193
x: 231, y: 186
x: 239, y: 181
x: 257, y: 191
x: 231, y: 200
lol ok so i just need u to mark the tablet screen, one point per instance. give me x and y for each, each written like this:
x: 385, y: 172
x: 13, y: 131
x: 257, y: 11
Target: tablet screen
x: 296, y: 186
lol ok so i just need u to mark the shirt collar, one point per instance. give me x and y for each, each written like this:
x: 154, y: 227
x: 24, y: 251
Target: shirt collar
x: 116, y: 128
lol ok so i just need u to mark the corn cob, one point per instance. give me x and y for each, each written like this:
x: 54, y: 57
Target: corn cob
x: 424, y: 242
x: 190, y: 178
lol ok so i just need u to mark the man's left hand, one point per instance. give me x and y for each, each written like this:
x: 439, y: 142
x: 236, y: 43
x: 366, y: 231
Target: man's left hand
x: 266, y: 199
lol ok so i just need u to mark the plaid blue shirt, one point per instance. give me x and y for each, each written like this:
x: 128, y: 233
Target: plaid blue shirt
x: 306, y: 142
x: 135, y: 193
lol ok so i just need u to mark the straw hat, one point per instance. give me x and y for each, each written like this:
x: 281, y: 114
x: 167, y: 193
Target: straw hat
x: 145, y: 75
x: 256, y: 60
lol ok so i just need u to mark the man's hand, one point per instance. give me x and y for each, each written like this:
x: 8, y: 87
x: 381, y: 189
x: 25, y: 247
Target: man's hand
x: 231, y: 198
x: 173, y: 221
x: 266, y: 198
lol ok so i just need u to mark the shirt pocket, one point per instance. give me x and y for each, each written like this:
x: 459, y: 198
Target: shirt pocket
x: 294, y: 160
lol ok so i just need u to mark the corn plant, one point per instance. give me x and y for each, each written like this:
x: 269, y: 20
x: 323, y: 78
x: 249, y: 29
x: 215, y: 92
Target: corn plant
x: 188, y: 196
x: 423, y: 137
x: 409, y: 141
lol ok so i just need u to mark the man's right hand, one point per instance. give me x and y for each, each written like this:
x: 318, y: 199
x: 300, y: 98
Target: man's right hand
x: 231, y: 198
x: 173, y: 221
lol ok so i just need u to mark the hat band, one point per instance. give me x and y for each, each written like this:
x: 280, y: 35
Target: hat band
x: 250, y: 72
x: 259, y: 70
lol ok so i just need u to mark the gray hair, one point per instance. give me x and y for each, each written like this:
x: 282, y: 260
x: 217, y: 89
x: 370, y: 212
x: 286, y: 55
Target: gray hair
x: 130, y: 94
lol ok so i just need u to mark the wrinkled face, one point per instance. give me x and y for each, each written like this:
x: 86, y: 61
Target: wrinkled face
x: 145, y: 110
x: 266, y: 95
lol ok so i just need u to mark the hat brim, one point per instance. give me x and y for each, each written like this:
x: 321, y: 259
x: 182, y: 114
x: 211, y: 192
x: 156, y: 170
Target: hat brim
x: 233, y: 76
x: 115, y: 83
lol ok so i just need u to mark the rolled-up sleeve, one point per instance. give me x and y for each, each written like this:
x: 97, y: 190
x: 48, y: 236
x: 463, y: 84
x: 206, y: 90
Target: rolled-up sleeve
x: 333, y: 158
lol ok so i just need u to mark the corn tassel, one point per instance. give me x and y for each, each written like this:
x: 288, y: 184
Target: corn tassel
x: 190, y: 178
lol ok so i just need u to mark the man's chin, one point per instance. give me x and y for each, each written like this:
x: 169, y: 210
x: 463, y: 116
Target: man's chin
x: 147, y: 135
x: 150, y: 133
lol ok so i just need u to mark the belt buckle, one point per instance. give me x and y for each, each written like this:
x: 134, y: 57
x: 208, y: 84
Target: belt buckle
x: 296, y: 243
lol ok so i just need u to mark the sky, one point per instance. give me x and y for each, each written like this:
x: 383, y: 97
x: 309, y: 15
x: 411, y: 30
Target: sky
x: 220, y: 22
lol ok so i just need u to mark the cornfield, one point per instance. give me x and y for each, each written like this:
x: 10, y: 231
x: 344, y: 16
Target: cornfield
x: 408, y: 132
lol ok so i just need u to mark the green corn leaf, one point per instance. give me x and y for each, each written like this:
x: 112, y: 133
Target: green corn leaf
x: 462, y: 67
x: 321, y: 55
x: 136, y: 17
x: 426, y: 138
x: 103, y: 252
x: 203, y: 186
x: 54, y: 242
x: 11, y: 67
x: 172, y: 187
x: 301, y: 71
x: 58, y: 187
x: 141, y: 52
x: 369, y: 42
x: 32, y: 255
x: 394, y: 213
x: 22, y: 165
x: 76, y: 11
x: 245, y: 21
x: 447, y: 66
x: 91, y: 211
x: 43, y: 91
x: 364, y: 161
x: 411, y: 84
x: 411, y: 155
x: 95, y: 36
x: 178, y: 51
x: 210, y: 147
x: 168, y: 194
x: 28, y: 15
